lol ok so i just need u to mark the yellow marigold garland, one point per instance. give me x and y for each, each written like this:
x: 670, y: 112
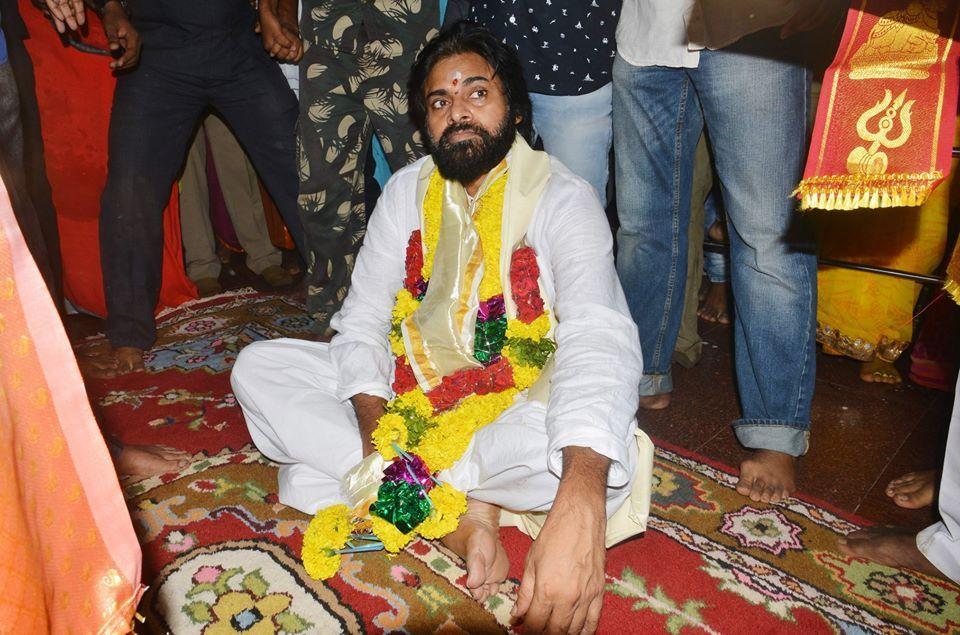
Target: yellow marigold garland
x: 392, y: 538
x: 391, y: 429
x: 449, y: 504
x: 443, y: 444
x: 327, y: 533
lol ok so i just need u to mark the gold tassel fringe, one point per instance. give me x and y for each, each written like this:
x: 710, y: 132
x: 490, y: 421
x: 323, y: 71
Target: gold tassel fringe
x: 952, y: 287
x: 872, y: 191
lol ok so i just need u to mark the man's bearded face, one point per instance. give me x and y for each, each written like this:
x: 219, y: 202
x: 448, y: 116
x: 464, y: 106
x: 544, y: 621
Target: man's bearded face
x: 469, y: 125
x: 467, y: 159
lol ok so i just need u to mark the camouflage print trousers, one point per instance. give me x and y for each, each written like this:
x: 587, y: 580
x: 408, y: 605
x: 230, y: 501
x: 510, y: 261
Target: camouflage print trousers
x: 353, y: 80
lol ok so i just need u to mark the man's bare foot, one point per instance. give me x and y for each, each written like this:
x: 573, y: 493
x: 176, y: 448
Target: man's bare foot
x: 714, y: 307
x: 655, y: 402
x: 140, y: 461
x: 98, y: 362
x: 477, y: 541
x: 890, y: 546
x: 105, y: 362
x: 914, y: 489
x: 878, y: 371
x: 129, y: 359
x: 768, y: 476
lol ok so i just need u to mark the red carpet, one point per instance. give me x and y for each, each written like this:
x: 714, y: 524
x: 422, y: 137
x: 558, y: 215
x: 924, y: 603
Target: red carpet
x: 222, y: 555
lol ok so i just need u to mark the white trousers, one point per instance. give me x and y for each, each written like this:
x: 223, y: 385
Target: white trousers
x: 287, y: 391
x: 940, y: 542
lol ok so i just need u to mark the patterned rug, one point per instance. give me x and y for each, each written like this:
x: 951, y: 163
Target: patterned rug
x: 221, y: 554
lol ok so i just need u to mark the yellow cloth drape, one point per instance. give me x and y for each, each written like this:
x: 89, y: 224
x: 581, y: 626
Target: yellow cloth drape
x: 859, y: 313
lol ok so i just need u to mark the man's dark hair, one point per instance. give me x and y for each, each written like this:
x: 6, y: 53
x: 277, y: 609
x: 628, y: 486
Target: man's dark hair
x: 468, y: 37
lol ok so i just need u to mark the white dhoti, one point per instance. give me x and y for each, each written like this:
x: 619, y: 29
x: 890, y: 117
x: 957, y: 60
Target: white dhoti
x: 940, y: 542
x: 287, y: 389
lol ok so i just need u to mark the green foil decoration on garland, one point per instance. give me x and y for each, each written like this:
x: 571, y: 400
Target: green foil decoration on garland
x: 488, y: 339
x: 402, y: 504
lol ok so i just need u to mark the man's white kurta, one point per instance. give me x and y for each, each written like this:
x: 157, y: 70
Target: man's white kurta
x: 296, y: 395
x: 940, y: 542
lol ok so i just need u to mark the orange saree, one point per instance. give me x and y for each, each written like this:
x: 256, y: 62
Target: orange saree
x: 69, y: 558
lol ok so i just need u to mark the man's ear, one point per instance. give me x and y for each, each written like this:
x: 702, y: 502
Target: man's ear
x: 517, y: 119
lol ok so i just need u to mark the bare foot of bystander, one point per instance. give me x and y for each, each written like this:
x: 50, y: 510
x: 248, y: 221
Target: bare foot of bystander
x: 889, y: 546
x: 655, y: 402
x: 137, y: 462
x: 914, y: 489
x: 714, y: 307
x: 768, y: 476
x: 105, y: 362
x: 878, y: 371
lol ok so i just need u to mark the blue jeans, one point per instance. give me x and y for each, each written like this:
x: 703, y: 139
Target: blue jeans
x: 755, y: 111
x: 577, y: 129
x: 714, y: 262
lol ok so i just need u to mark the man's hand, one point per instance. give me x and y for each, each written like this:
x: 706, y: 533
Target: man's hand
x: 811, y: 15
x: 369, y: 409
x: 66, y: 14
x: 121, y: 34
x: 562, y: 587
x: 281, y: 40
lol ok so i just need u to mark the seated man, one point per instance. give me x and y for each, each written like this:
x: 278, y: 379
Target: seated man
x: 497, y: 256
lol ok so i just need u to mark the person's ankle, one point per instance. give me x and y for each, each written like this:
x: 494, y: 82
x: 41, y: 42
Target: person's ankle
x: 655, y: 402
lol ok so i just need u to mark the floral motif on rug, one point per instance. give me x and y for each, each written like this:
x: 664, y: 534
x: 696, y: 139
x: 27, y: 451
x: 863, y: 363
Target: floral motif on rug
x: 222, y: 555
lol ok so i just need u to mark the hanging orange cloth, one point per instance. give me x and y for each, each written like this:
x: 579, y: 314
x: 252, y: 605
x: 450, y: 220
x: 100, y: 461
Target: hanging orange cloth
x: 885, y: 123
x: 75, y: 91
x: 69, y: 558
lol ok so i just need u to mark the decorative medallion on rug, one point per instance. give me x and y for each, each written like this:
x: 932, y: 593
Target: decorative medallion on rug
x: 222, y: 555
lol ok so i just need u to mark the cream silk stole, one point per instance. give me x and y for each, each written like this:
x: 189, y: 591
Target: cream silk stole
x: 438, y: 336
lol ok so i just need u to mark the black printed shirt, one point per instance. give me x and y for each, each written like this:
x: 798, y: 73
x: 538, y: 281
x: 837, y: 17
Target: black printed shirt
x: 566, y: 47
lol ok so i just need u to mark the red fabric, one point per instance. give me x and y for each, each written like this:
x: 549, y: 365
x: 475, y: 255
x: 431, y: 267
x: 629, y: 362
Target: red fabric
x: 885, y: 122
x: 75, y: 91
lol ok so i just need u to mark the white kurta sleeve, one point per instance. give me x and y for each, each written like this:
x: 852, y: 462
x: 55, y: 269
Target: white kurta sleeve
x: 594, y: 389
x: 361, y: 349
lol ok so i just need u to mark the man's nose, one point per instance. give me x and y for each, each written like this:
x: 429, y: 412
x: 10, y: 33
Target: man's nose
x: 460, y: 111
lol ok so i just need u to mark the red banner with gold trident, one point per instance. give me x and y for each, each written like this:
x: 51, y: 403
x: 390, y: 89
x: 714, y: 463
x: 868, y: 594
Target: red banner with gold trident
x: 885, y: 123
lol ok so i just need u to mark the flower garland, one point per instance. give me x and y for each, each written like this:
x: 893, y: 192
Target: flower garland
x: 423, y: 433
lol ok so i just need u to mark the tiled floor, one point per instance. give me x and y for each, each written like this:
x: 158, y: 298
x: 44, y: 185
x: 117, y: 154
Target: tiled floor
x: 863, y: 434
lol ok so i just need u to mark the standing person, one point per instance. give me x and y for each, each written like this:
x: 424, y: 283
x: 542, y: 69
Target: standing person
x: 197, y: 55
x: 753, y: 103
x: 566, y: 50
x: 352, y: 85
x: 241, y: 193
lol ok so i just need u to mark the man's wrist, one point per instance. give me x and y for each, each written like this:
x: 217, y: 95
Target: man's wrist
x: 584, y: 478
x: 369, y: 409
x: 288, y: 16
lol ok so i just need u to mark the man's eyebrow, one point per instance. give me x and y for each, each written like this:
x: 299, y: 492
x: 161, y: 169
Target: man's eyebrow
x: 442, y: 92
